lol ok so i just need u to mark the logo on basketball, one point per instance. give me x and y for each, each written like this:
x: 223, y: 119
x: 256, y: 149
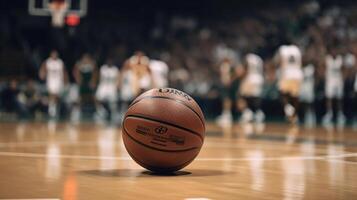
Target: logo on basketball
x: 176, y: 92
x: 161, y: 130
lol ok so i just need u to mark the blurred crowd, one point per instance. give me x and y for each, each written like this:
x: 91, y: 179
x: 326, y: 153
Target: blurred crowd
x: 194, y: 48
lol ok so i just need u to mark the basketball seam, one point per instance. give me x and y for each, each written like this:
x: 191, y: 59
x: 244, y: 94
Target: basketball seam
x: 168, y: 98
x: 166, y: 123
x: 152, y: 168
x: 154, y: 148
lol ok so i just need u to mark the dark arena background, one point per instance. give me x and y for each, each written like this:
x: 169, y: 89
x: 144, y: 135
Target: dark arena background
x: 276, y: 81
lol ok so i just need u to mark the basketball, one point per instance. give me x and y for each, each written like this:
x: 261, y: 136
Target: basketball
x: 163, y: 130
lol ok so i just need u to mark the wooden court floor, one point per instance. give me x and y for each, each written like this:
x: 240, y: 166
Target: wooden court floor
x: 89, y: 161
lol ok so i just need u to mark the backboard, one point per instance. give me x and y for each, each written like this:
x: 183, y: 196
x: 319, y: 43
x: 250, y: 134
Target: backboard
x: 41, y: 7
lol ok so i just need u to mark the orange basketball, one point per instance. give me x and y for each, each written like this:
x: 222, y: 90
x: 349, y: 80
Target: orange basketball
x: 163, y: 130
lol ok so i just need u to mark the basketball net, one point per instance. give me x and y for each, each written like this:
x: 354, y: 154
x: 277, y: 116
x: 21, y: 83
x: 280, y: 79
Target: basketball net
x: 58, y: 10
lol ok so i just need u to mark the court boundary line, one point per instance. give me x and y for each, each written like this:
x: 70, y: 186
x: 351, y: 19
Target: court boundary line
x: 34, y: 199
x: 211, y: 144
x: 330, y: 158
x: 236, y: 145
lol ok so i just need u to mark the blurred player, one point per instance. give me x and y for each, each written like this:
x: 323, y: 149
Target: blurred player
x: 159, y: 70
x: 226, y: 71
x: 334, y: 86
x: 289, y: 79
x: 107, y: 91
x: 86, y: 74
x: 349, y: 64
x: 143, y: 80
x: 10, y: 100
x: 33, y: 100
x: 307, y: 94
x: 71, y: 99
x: 251, y: 88
x: 135, y: 78
x: 355, y: 99
x: 54, y: 72
x: 126, y: 85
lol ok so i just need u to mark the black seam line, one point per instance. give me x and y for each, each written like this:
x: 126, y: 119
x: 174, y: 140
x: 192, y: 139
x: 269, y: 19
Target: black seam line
x: 154, y: 148
x: 166, y: 123
x: 153, y: 142
x: 156, y: 167
x: 176, y: 100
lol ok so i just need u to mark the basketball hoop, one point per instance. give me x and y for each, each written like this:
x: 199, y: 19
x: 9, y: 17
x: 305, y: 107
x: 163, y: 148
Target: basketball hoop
x: 58, y: 10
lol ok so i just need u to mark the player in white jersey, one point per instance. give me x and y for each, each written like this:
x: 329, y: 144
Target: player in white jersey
x: 53, y: 71
x: 159, y: 71
x: 289, y: 79
x: 251, y: 88
x: 334, y: 86
x: 307, y: 94
x: 107, y: 90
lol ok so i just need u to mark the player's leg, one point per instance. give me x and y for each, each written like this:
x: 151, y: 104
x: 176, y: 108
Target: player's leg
x: 112, y: 96
x: 285, y: 97
x: 113, y: 109
x: 74, y: 103
x: 52, y: 105
x: 340, y: 116
x: 100, y: 109
x: 252, y: 112
x: 105, y: 109
x: 245, y: 106
x: 50, y: 90
x: 354, y: 117
x: 259, y: 115
x: 327, y: 119
x: 329, y: 94
x: 334, y: 109
x: 246, y: 115
x: 308, y: 113
x: 290, y: 104
x: 227, y: 105
x: 288, y: 108
x: 106, y: 105
x: 55, y: 89
x: 294, y: 101
x: 226, y: 117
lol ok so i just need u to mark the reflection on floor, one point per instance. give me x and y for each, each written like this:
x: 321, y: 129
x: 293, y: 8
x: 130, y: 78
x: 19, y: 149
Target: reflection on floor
x: 89, y: 161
